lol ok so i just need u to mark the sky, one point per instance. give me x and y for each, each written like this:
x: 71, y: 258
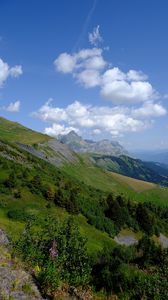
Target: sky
x: 98, y: 67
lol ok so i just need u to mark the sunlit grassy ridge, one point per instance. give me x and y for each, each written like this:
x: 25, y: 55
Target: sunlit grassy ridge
x: 135, y: 184
x: 14, y: 132
x: 134, y: 189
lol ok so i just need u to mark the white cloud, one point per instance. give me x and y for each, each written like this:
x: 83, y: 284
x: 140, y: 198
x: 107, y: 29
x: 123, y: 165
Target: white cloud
x: 95, y: 63
x: 89, y: 78
x: 49, y: 113
x: 96, y: 120
x: 150, y: 109
x: 84, y: 59
x: 90, y: 69
x: 85, y: 65
x: 121, y: 91
x: 136, y: 75
x: 94, y: 36
x: 16, y: 71
x: 65, y: 63
x: 13, y: 107
x: 57, y: 129
x: 6, y: 71
x: 113, y: 75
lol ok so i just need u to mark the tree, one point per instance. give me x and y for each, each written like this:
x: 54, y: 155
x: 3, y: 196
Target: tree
x: 145, y: 219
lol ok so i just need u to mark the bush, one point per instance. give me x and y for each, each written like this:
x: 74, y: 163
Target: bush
x: 18, y: 214
x: 59, y: 251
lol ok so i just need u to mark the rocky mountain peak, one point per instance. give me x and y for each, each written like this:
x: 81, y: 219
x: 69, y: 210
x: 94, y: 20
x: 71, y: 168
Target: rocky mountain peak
x: 105, y: 146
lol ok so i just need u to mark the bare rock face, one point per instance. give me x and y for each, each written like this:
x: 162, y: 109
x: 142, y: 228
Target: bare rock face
x: 3, y: 238
x: 15, y: 282
x: 77, y: 144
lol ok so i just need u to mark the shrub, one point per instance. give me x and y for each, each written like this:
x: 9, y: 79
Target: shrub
x: 18, y: 214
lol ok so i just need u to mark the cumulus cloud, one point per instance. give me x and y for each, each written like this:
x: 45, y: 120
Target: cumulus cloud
x: 65, y: 63
x: 121, y: 91
x: 6, y: 71
x: 16, y: 71
x: 90, y: 69
x: 150, y: 109
x: 89, y: 78
x: 136, y: 75
x: 134, y: 99
x: 94, y: 36
x: 13, y: 106
x: 57, y: 129
x: 97, y: 119
x: 84, y: 59
x: 85, y: 66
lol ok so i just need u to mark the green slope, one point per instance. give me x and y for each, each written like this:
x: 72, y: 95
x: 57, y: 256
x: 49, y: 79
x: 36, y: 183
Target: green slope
x: 87, y: 172
x: 134, y: 168
x: 19, y: 163
x: 14, y: 132
x: 135, y: 189
x: 32, y: 188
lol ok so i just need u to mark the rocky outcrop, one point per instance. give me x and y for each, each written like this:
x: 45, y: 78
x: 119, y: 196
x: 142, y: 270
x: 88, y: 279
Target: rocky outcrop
x: 15, y: 282
x: 77, y: 144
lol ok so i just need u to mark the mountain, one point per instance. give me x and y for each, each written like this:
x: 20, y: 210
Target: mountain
x: 37, y: 144
x: 111, y: 156
x: 160, y: 156
x: 134, y: 168
x: 77, y: 144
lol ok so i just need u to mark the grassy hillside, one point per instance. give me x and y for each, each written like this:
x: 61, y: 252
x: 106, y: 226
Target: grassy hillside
x: 134, y: 168
x: 14, y: 132
x: 135, y: 189
x: 16, y: 169
x: 63, y: 206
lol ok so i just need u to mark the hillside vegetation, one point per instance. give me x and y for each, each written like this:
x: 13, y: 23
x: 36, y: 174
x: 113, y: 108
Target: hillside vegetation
x: 64, y: 223
x: 134, y: 168
x: 14, y: 132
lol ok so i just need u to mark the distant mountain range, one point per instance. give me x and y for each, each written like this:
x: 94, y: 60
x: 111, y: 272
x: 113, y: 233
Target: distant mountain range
x: 135, y: 168
x: 111, y: 156
x: 160, y: 156
x: 104, y: 147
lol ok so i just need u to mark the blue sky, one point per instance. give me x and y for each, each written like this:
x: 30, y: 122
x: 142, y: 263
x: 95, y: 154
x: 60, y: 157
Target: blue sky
x: 98, y: 67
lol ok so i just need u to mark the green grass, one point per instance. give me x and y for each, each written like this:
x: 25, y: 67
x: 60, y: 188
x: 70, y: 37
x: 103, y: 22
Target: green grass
x: 36, y: 205
x: 14, y: 132
x: 136, y: 190
x: 135, y: 184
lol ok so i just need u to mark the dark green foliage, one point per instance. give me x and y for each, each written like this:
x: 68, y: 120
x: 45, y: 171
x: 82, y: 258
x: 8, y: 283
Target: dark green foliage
x: 149, y: 253
x: 18, y: 214
x: 134, y: 168
x: 59, y: 250
x: 106, y: 270
x: 10, y: 182
x: 145, y: 219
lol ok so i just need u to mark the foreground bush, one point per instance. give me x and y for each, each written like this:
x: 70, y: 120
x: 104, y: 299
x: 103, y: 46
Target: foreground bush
x: 57, y: 252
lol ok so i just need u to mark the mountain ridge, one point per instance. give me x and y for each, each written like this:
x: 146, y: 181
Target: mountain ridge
x: 78, y: 144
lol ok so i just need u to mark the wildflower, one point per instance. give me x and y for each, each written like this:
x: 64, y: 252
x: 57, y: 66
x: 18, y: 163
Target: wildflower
x: 53, y: 250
